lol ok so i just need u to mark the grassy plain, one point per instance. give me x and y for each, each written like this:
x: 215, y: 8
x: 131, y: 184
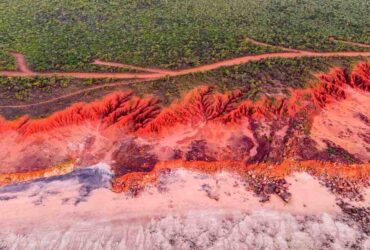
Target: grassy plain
x: 68, y: 34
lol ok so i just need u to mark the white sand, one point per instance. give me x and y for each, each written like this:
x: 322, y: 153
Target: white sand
x: 183, y: 217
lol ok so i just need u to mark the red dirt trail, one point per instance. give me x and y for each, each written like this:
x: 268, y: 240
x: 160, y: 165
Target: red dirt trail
x: 174, y: 134
x: 127, y: 66
x: 154, y: 74
x: 24, y: 70
x: 45, y: 142
x: 21, y: 63
x: 144, y: 115
x: 213, y: 66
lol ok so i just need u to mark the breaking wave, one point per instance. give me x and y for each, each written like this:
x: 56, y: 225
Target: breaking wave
x: 262, y: 229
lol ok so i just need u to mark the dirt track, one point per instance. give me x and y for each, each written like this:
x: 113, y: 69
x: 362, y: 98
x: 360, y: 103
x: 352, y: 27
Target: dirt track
x: 352, y: 43
x: 25, y: 72
x: 127, y: 66
x: 110, y: 85
x: 255, y: 42
x: 154, y: 74
x: 21, y: 63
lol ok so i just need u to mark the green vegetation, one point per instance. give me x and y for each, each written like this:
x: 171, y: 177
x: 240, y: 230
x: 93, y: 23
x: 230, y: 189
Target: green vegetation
x: 341, y: 153
x: 273, y: 76
x: 68, y: 34
x: 7, y: 62
x: 256, y: 79
x: 20, y: 88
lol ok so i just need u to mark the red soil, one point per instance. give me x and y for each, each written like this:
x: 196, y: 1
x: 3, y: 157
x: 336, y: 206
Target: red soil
x: 214, y: 113
x: 122, y: 109
x: 21, y: 63
x: 154, y: 74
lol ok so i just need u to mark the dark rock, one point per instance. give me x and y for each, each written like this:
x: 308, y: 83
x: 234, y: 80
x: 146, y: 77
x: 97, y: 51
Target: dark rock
x: 132, y: 157
x: 264, y: 198
x: 198, y: 152
x: 285, y: 196
x: 270, y: 188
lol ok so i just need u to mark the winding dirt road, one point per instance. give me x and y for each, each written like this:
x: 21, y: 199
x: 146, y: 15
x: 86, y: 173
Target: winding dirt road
x: 26, y: 72
x: 150, y: 74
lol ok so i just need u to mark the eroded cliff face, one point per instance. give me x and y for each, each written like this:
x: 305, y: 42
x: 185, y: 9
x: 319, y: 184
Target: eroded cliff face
x: 136, y: 135
x: 132, y: 170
